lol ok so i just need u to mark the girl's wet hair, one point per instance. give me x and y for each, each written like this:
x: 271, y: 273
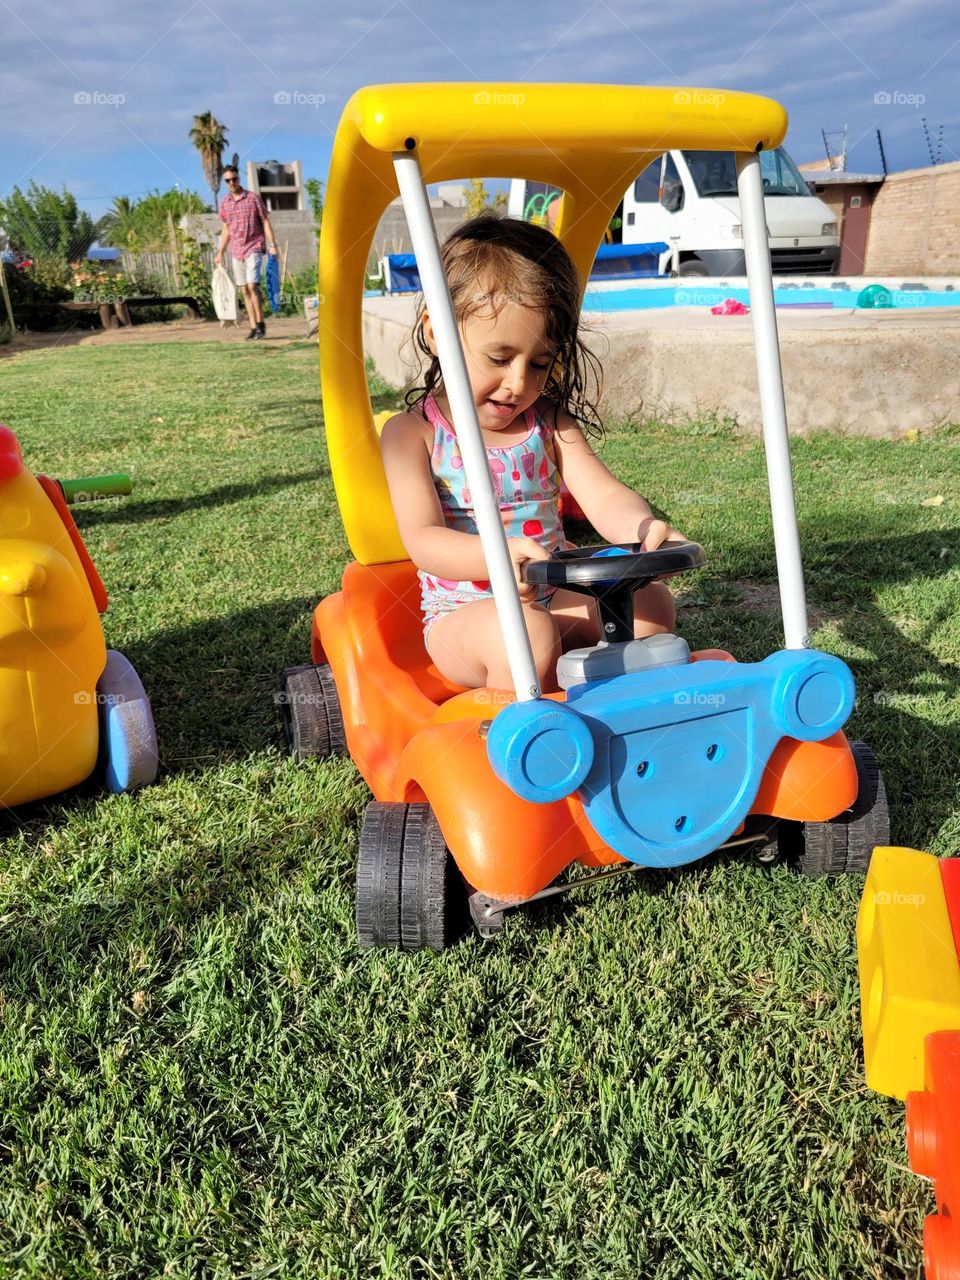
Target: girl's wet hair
x: 489, y: 261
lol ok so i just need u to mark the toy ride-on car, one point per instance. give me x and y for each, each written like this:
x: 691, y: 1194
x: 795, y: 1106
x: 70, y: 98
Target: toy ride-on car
x: 650, y: 755
x: 68, y: 706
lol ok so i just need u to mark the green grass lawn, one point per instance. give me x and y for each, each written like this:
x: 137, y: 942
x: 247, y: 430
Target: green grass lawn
x: 200, y: 1075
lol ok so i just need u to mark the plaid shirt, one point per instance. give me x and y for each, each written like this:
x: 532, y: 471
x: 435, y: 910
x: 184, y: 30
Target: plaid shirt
x: 244, y: 219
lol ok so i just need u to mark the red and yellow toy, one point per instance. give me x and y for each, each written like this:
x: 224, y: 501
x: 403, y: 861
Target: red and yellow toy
x: 65, y: 701
x: 908, y: 946
x: 933, y: 1141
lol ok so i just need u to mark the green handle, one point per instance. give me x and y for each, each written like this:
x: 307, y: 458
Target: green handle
x: 89, y: 488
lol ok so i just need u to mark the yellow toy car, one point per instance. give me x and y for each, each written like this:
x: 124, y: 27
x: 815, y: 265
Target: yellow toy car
x: 487, y: 794
x: 67, y: 704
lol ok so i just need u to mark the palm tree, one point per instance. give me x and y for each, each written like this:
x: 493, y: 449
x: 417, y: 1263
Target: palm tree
x: 116, y: 225
x: 209, y: 136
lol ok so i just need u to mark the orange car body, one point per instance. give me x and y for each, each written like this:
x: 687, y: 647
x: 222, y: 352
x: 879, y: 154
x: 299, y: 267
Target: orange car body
x: 416, y: 737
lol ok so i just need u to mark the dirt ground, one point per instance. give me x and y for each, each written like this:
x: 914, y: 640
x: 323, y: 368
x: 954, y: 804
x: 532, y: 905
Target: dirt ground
x: 284, y: 329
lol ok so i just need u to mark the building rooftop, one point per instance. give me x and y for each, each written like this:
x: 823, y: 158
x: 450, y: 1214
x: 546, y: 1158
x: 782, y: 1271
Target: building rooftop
x: 837, y: 177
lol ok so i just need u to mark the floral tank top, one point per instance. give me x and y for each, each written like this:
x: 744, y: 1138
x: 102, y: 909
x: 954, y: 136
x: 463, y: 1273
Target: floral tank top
x: 527, y: 484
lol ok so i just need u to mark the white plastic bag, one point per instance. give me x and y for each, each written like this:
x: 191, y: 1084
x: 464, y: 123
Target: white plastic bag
x: 224, y: 294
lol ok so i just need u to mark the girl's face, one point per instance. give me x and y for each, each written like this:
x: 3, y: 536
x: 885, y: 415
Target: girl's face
x: 508, y: 358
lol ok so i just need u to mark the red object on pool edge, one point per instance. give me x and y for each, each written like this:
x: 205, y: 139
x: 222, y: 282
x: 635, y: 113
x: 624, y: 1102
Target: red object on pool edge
x: 729, y: 307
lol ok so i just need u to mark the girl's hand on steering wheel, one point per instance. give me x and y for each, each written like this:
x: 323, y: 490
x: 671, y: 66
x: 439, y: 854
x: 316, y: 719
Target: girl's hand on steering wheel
x: 521, y: 550
x: 653, y: 533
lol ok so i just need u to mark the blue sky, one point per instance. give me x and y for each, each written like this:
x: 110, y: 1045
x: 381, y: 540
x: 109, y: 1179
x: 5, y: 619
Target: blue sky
x: 99, y: 97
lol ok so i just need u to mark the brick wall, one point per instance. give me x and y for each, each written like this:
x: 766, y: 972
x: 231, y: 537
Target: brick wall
x: 915, y: 224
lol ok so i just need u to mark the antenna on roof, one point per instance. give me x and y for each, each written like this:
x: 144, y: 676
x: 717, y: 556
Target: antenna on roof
x: 836, y: 154
x: 936, y: 156
x: 883, y: 158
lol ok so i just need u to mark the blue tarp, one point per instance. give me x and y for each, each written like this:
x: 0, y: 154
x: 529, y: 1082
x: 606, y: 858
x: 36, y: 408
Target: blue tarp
x: 628, y: 261
x: 404, y: 276
x: 613, y: 262
x: 271, y: 272
x: 96, y: 255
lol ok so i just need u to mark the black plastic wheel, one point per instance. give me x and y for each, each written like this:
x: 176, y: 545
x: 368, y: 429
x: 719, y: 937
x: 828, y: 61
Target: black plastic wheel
x: 378, y: 875
x: 312, y: 719
x: 432, y: 892
x: 846, y: 843
x: 410, y: 895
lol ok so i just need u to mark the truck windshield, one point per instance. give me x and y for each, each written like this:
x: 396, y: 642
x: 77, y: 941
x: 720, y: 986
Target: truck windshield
x: 715, y: 173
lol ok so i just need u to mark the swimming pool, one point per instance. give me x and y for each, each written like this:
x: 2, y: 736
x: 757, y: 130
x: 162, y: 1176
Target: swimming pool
x: 639, y: 295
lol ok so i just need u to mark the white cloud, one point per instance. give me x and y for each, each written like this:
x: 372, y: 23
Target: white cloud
x: 823, y: 58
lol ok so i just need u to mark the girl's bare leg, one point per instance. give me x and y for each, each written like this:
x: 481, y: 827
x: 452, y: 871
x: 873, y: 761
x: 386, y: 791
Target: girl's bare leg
x: 467, y: 647
x: 579, y: 622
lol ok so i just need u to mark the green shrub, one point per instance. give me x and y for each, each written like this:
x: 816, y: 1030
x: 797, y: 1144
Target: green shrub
x: 298, y: 285
x: 44, y: 279
x: 196, y: 275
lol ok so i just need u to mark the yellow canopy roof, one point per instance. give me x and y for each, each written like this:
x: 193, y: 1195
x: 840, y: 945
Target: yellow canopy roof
x: 588, y: 140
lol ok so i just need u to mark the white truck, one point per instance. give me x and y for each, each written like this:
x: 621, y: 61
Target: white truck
x: 688, y: 200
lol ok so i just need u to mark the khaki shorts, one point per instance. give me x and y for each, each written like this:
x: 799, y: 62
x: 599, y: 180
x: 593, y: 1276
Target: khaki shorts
x: 247, y: 270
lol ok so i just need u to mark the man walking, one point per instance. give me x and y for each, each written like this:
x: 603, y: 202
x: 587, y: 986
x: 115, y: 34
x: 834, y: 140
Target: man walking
x: 247, y: 227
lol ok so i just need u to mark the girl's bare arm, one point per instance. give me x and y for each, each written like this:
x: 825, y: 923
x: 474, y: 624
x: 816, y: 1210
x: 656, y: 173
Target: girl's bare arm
x: 615, y: 511
x: 443, y: 552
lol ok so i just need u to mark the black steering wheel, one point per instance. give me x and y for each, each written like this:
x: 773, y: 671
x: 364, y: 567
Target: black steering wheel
x: 611, y: 575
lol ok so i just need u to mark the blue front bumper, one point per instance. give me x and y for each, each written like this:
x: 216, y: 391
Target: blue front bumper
x: 668, y: 762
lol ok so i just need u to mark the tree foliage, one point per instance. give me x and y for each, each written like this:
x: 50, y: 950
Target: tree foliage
x: 209, y: 136
x: 314, y: 190
x: 42, y: 223
x: 478, y: 198
x: 142, y: 226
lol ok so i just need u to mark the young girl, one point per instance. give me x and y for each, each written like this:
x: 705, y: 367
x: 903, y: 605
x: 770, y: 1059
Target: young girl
x: 516, y: 297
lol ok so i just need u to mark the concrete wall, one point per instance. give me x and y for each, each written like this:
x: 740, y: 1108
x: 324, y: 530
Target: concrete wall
x: 873, y: 373
x: 295, y: 228
x: 392, y: 235
x: 915, y: 224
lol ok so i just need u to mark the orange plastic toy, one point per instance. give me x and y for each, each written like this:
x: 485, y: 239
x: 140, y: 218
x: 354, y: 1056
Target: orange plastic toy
x: 933, y: 1141
x: 651, y: 755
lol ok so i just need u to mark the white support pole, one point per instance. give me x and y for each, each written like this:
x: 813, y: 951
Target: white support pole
x: 456, y: 384
x: 776, y: 441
